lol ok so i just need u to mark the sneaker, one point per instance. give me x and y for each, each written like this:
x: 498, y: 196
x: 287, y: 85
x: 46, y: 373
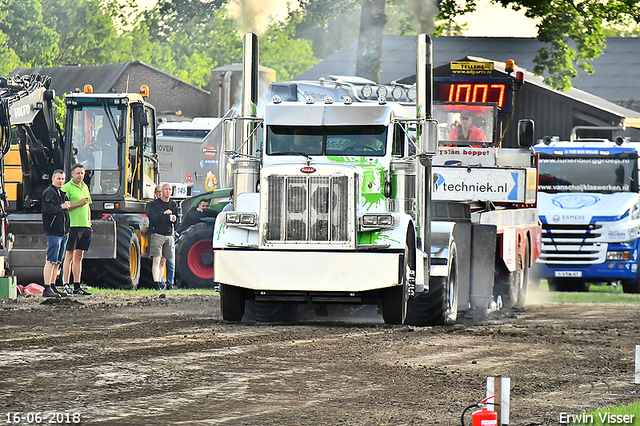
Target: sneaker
x: 48, y: 292
x: 67, y: 289
x: 81, y: 291
x: 62, y: 293
x: 168, y: 286
x: 158, y: 286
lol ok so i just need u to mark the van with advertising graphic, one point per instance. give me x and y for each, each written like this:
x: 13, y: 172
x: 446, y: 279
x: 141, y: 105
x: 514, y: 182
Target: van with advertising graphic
x: 590, y: 211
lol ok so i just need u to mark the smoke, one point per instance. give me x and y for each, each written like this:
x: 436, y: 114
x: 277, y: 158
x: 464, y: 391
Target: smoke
x: 425, y: 12
x: 256, y: 15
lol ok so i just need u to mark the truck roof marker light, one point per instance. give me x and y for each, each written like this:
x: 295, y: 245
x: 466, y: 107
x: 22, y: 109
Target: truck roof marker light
x: 382, y: 91
x: 309, y: 100
x: 411, y: 93
x: 348, y: 100
x: 276, y: 99
x: 382, y: 100
x: 509, y: 66
x: 87, y: 88
x: 397, y: 92
x: 328, y: 100
x: 366, y: 91
x: 144, y: 91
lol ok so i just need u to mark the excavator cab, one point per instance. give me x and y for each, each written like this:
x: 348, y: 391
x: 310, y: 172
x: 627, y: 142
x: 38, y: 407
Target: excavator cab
x: 113, y: 137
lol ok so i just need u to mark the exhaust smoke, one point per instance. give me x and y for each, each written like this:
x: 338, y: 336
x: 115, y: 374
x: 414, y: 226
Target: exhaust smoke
x: 254, y: 16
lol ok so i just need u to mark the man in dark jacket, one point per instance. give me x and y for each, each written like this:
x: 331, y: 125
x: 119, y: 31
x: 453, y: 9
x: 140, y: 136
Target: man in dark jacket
x: 196, y: 213
x: 55, y: 219
x: 162, y: 214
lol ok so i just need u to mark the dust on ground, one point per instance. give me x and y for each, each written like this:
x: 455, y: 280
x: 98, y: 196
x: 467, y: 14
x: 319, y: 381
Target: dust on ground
x: 132, y: 359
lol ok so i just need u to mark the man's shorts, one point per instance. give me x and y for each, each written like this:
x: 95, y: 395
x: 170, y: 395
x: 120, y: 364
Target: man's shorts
x: 161, y: 246
x: 56, y: 247
x: 79, y: 239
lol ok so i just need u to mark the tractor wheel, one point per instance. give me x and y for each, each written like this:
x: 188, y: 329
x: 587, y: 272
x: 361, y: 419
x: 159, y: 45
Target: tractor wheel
x: 194, y: 257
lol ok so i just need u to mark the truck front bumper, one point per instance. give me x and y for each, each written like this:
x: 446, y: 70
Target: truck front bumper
x: 306, y: 270
x: 601, y: 272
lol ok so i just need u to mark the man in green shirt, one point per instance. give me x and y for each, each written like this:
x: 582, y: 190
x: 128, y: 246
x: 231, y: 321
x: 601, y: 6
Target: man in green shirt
x: 80, y: 233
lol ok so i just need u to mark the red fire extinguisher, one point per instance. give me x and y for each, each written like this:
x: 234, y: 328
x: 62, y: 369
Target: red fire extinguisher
x: 484, y: 416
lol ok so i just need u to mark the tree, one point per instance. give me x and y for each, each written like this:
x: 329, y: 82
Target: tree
x: 87, y: 32
x: 572, y: 30
x: 25, y: 37
x: 198, y: 36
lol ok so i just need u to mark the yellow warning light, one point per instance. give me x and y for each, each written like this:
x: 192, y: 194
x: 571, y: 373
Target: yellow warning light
x: 88, y: 88
x: 144, y: 90
x: 509, y: 66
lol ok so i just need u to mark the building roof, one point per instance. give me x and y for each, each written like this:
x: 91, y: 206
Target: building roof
x: 615, y: 78
x: 103, y: 77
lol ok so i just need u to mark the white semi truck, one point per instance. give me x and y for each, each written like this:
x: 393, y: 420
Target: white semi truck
x: 333, y: 205
x: 589, y: 205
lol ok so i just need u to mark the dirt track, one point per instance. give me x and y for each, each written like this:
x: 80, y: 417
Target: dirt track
x: 136, y: 360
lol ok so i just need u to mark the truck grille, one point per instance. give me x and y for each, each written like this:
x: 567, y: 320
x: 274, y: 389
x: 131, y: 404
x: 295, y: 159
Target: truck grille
x: 572, y: 244
x: 308, y: 209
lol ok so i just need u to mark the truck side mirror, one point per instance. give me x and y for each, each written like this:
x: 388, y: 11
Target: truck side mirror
x: 526, y: 132
x: 431, y: 134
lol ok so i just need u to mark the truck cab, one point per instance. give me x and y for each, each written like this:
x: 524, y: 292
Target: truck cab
x: 589, y: 205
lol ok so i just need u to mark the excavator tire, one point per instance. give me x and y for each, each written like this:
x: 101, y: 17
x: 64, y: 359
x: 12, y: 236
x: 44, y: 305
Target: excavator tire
x: 122, y: 272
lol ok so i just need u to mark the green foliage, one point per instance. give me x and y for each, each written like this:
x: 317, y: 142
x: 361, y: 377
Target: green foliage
x: 86, y: 30
x: 573, y: 32
x: 286, y: 55
x: 27, y: 37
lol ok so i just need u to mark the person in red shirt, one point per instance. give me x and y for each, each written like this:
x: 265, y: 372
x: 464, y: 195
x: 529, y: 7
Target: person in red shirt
x: 466, y: 131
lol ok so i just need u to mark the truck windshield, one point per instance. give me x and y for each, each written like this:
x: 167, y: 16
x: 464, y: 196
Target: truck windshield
x: 465, y: 124
x: 93, y: 142
x: 587, y: 174
x: 339, y: 140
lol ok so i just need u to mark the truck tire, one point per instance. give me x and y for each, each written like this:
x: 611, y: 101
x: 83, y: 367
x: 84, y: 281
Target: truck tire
x: 194, y: 256
x: 631, y: 286
x: 438, y: 306
x: 525, y: 277
x: 122, y: 272
x: 395, y: 299
x: 231, y: 302
x: 270, y: 312
x: 512, y: 286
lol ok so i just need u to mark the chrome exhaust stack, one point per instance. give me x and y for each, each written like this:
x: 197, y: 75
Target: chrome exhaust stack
x: 246, y: 166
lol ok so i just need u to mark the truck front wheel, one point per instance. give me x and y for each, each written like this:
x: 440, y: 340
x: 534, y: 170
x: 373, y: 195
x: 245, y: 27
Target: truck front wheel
x: 231, y: 302
x: 631, y: 286
x: 395, y: 299
x: 438, y: 306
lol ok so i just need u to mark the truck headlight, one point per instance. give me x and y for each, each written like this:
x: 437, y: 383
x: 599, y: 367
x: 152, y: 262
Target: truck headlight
x: 241, y: 219
x: 377, y: 221
x: 618, y: 255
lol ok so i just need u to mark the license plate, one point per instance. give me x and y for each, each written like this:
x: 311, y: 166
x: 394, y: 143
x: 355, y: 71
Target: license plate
x: 568, y: 273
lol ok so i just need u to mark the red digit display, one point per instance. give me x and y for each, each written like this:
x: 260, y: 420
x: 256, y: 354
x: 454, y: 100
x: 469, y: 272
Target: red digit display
x: 473, y: 92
